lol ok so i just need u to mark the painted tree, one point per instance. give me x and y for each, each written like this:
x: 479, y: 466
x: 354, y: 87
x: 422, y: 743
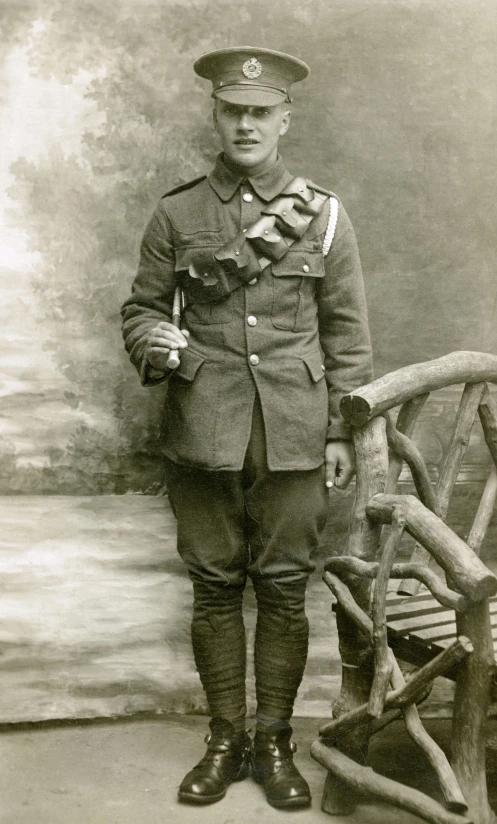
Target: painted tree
x: 86, y: 214
x: 383, y: 120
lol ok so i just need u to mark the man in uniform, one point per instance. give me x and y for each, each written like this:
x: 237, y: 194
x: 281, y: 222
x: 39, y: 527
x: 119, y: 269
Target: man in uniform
x: 274, y: 333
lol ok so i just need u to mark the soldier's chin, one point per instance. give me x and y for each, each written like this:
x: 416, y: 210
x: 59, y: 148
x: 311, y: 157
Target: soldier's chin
x: 246, y: 154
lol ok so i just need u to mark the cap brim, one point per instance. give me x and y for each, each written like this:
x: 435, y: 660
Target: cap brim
x: 250, y: 96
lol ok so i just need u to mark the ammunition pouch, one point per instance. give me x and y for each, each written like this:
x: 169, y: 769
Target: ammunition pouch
x: 212, y: 276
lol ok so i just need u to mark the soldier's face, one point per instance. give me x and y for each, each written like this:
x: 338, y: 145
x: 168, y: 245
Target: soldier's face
x: 249, y: 134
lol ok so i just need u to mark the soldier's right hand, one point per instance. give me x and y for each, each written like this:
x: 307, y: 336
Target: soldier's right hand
x: 161, y: 340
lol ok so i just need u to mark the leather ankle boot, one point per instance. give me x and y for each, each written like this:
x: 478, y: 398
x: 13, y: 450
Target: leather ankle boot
x: 227, y: 759
x: 273, y: 767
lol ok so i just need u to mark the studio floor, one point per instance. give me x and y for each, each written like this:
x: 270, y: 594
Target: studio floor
x: 95, y: 625
x: 127, y: 772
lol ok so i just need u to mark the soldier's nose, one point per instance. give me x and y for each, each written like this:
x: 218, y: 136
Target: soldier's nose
x: 245, y: 123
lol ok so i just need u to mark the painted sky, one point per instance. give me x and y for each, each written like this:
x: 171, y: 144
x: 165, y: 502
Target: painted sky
x: 35, y: 113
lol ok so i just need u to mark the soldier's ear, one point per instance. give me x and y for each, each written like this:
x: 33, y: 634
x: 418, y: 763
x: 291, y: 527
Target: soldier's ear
x: 214, y: 116
x: 285, y: 121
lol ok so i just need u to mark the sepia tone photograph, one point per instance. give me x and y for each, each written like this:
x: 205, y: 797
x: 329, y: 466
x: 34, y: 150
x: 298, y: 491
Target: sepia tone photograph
x: 248, y: 451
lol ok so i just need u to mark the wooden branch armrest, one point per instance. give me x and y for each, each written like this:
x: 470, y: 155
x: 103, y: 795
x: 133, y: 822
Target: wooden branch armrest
x: 465, y: 572
x: 397, y: 387
x: 347, y: 565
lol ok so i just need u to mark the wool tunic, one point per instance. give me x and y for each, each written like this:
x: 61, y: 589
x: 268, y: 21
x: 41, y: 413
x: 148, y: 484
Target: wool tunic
x: 297, y: 334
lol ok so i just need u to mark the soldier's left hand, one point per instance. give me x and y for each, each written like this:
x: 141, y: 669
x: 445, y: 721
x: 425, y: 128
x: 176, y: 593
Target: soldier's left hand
x: 339, y: 464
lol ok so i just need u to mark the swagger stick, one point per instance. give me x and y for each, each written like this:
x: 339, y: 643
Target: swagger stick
x: 173, y: 359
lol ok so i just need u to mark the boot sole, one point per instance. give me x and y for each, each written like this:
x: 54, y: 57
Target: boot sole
x: 290, y: 803
x: 191, y: 798
x: 287, y: 803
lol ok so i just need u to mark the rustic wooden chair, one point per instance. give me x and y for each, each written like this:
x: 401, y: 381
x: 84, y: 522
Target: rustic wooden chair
x: 445, y: 629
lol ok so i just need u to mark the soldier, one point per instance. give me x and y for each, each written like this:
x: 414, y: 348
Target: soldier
x: 274, y: 332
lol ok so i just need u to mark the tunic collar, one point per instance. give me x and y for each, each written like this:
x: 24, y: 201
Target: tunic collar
x: 225, y: 180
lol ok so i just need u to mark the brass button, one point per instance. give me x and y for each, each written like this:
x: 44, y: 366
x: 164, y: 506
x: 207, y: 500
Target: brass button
x: 305, y: 267
x: 252, y: 320
x: 252, y: 282
x: 254, y: 360
x: 323, y: 367
x: 248, y: 197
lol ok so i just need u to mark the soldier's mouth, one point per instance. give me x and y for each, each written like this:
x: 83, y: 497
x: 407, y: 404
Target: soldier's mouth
x: 246, y: 142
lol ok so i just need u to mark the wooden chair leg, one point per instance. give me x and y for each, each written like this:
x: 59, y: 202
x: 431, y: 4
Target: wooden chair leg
x: 470, y: 713
x: 357, y: 676
x: 338, y: 797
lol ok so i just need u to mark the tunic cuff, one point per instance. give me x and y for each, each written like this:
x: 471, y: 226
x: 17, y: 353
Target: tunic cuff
x: 149, y: 376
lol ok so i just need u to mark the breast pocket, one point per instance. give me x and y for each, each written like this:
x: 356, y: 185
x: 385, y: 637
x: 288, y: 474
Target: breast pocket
x: 294, y: 287
x: 215, y: 312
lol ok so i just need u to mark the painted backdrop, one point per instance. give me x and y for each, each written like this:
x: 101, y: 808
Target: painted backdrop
x: 101, y: 114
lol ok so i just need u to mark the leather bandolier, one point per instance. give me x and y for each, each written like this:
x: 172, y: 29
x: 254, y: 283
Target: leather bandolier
x: 211, y: 276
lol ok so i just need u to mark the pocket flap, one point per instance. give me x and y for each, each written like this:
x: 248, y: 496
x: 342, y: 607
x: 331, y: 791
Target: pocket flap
x: 305, y: 262
x: 187, y: 255
x: 315, y: 365
x: 189, y: 364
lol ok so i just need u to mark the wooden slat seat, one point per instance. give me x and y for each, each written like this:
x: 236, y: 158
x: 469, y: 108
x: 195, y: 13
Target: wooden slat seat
x: 420, y: 619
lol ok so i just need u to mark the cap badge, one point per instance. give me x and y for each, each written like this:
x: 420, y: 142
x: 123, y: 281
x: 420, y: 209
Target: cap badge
x: 252, y: 68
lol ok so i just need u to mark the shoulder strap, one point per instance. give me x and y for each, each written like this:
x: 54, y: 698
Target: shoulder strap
x: 183, y: 187
x: 320, y: 189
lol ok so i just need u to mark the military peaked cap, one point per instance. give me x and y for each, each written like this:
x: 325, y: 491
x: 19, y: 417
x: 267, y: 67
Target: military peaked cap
x: 250, y: 76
